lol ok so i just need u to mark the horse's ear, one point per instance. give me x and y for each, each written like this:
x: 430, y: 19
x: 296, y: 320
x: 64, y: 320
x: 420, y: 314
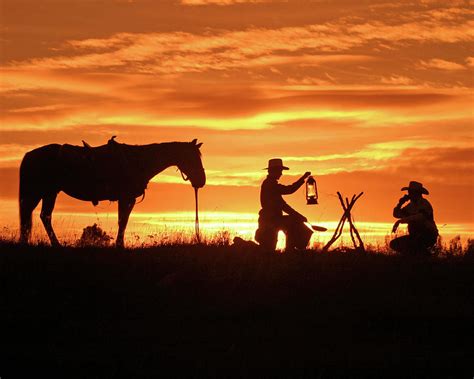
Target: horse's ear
x: 199, y: 145
x: 194, y: 141
x: 86, y: 144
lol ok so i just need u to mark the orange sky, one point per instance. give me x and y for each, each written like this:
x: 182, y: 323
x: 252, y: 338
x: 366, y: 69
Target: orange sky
x: 365, y: 94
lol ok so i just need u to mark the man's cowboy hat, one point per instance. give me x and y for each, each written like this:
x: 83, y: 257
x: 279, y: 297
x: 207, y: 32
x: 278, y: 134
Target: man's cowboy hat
x: 416, y: 187
x: 276, y: 163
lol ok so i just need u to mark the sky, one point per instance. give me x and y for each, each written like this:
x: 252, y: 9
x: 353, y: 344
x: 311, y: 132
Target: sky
x: 367, y: 95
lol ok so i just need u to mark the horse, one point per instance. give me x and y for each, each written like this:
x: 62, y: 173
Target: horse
x: 114, y: 172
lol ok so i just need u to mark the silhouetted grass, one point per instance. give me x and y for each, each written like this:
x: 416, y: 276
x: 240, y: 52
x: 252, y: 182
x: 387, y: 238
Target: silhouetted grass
x: 216, y: 311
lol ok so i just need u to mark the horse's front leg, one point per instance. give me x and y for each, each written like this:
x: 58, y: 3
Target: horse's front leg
x: 125, y: 207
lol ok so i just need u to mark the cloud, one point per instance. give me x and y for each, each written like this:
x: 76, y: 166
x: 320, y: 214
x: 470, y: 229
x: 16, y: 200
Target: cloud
x: 184, y: 52
x: 453, y: 165
x: 375, y: 156
x: 441, y: 64
x: 128, y: 102
x: 397, y: 80
x: 174, y: 53
x: 11, y: 154
x: 221, y: 2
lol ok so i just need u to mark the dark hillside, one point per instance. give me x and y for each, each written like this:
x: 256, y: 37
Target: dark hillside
x: 214, y: 311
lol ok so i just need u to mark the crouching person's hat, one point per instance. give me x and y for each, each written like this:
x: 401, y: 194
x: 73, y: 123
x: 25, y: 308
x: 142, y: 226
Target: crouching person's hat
x: 416, y: 187
x: 276, y: 163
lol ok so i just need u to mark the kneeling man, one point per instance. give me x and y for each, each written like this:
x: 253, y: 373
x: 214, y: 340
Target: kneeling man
x: 271, y: 218
x: 418, y: 214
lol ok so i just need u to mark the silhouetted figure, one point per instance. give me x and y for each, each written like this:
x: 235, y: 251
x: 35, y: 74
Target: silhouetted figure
x: 418, y: 214
x: 115, y: 171
x: 271, y: 218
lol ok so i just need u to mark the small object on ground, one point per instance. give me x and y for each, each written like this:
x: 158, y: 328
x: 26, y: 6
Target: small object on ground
x: 318, y: 228
x: 94, y: 236
x: 241, y: 243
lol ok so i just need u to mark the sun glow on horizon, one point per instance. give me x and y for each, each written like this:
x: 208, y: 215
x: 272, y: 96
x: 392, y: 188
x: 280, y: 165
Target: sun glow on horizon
x: 175, y: 227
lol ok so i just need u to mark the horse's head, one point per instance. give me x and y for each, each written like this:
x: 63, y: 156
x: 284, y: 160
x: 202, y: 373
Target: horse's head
x: 190, y: 164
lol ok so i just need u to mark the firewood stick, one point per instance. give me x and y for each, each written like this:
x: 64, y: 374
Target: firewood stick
x: 356, y: 233
x: 358, y: 196
x: 353, y: 230
x: 351, y: 226
x: 361, y: 244
x: 337, y: 233
x: 339, y: 228
x: 346, y: 210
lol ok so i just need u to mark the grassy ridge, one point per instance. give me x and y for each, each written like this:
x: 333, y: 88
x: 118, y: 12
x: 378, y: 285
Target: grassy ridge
x: 91, y: 312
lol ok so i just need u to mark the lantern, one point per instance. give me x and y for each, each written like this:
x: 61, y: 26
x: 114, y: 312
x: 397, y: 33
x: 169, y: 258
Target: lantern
x: 311, y: 191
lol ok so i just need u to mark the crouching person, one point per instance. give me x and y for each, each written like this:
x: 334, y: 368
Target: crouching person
x: 418, y: 214
x: 271, y: 218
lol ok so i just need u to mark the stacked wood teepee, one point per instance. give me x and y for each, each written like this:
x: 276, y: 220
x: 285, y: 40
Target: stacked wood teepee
x: 347, y: 216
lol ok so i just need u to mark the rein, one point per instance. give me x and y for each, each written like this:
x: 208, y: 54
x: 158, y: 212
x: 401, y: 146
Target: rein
x: 196, y: 220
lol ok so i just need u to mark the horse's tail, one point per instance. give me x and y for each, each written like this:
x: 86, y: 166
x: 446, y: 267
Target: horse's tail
x: 24, y: 195
x: 33, y: 173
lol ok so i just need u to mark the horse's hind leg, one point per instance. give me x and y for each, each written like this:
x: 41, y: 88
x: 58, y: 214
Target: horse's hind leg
x: 27, y: 205
x: 46, y: 212
x: 125, y: 207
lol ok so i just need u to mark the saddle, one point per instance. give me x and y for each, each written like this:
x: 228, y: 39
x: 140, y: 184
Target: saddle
x: 106, y: 167
x: 80, y: 154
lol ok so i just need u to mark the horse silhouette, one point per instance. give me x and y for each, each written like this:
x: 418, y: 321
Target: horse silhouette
x: 115, y: 172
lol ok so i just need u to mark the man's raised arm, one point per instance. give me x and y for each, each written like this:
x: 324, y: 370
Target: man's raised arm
x: 398, y: 211
x: 292, y: 188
